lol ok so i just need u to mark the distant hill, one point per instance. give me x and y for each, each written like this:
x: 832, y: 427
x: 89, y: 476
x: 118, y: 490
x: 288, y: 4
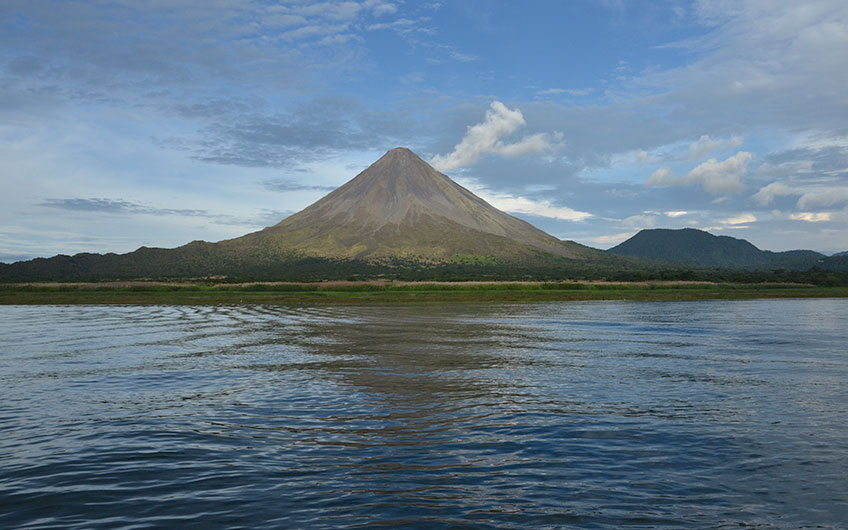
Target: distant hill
x: 845, y: 253
x: 699, y: 248
x: 397, y: 213
x: 837, y: 262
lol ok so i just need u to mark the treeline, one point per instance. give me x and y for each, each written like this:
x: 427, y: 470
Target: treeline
x: 204, y: 264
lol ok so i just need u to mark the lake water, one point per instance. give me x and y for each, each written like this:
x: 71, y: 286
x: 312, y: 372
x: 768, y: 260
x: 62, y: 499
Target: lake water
x: 550, y: 415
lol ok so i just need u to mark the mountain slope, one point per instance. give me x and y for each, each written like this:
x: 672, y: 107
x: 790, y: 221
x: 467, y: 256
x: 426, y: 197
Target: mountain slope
x: 398, y: 210
x: 401, y: 207
x: 696, y: 247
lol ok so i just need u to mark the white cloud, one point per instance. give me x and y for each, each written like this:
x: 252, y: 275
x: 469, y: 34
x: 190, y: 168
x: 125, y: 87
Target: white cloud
x: 775, y: 189
x: 519, y: 204
x: 823, y: 198
x: 610, y: 239
x: 736, y: 222
x: 811, y: 197
x: 721, y: 177
x: 640, y: 221
x: 706, y: 145
x: 713, y: 176
x: 334, y: 11
x: 545, y: 208
x: 536, y: 143
x: 462, y: 57
x: 341, y: 38
x: 662, y: 177
x: 811, y: 217
x: 282, y: 20
x: 760, y: 57
x: 400, y: 23
x: 487, y: 137
x: 703, y: 146
x: 378, y: 7
x: 313, y: 30
x: 787, y: 169
x: 675, y: 214
x: 568, y: 91
x: 740, y: 219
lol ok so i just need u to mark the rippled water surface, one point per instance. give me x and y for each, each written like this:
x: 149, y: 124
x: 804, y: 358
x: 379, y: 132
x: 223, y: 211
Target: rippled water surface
x: 589, y: 415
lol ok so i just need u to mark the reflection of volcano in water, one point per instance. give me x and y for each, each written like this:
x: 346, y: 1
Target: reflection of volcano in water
x: 442, y: 356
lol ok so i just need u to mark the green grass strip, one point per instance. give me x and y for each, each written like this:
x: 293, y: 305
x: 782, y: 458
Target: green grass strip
x: 375, y: 292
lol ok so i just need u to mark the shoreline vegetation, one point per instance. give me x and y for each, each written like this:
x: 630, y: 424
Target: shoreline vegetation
x: 383, y: 291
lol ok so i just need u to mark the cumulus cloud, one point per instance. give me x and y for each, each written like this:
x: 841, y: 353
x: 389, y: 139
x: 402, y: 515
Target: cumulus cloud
x: 768, y: 193
x: 662, y: 177
x: 488, y: 138
x: 721, y: 177
x: 815, y: 174
x: 706, y: 145
x: 640, y: 221
x: 713, y: 176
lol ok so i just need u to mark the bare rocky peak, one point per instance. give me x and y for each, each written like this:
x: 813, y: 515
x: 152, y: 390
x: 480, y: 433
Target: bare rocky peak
x: 400, y: 206
x: 401, y: 188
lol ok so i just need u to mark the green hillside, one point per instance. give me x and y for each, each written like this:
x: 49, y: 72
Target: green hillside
x: 698, y: 248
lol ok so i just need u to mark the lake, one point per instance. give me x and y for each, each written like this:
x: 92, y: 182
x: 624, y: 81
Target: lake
x: 537, y: 415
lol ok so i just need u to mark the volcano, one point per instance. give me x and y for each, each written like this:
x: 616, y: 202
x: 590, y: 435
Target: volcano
x: 399, y: 212
x: 401, y: 207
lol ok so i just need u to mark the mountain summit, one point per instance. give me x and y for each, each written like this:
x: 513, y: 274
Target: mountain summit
x: 399, y: 211
x: 401, y: 207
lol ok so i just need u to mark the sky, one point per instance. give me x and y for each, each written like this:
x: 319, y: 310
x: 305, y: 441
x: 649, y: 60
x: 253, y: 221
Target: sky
x: 129, y: 123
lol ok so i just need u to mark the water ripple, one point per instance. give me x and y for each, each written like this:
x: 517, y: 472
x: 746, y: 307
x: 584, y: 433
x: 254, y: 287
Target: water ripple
x: 584, y: 415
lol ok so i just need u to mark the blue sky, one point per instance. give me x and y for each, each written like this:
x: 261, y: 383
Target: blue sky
x: 129, y: 123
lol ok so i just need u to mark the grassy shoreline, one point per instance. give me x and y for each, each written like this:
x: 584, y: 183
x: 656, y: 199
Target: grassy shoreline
x: 187, y: 293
